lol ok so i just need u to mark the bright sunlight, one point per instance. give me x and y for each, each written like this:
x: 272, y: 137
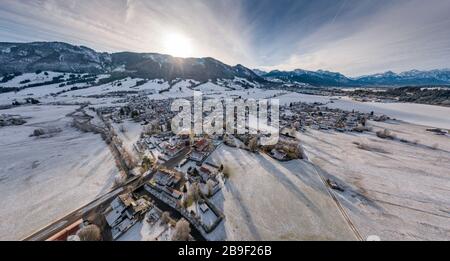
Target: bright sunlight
x: 178, y: 45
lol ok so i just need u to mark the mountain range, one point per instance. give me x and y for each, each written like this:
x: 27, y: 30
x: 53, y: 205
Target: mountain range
x: 63, y: 57
x: 326, y: 78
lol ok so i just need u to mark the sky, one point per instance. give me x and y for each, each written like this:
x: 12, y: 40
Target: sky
x: 354, y: 37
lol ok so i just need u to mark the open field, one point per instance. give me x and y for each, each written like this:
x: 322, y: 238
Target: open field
x: 43, y: 179
x: 268, y: 200
x: 395, y: 190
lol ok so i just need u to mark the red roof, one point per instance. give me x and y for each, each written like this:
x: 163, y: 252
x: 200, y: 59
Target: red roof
x: 200, y: 143
x: 203, y: 169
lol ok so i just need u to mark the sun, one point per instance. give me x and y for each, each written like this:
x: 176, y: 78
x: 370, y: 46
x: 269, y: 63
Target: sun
x: 177, y: 45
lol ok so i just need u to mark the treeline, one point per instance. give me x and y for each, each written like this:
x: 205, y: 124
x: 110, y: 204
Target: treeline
x: 427, y: 96
x: 412, y: 94
x: 9, y: 76
x: 73, y: 79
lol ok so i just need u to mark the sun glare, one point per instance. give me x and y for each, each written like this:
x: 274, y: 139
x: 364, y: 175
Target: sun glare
x: 178, y: 45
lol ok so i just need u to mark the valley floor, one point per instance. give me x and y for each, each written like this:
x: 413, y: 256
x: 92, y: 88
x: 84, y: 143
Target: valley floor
x: 43, y: 179
x: 394, y: 190
x: 265, y: 199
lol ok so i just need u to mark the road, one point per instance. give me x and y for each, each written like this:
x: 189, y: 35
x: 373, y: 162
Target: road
x: 78, y: 214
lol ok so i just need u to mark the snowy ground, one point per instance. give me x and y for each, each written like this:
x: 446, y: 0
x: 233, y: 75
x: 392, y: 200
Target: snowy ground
x: 43, y: 179
x: 143, y: 231
x: 268, y: 200
x: 397, y: 191
x: 132, y: 133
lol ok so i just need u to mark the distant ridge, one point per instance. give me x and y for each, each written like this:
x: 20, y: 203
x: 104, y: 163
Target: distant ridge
x: 64, y: 57
x: 326, y: 78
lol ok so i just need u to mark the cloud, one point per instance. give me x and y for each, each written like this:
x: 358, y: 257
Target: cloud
x: 400, y: 36
x: 351, y: 36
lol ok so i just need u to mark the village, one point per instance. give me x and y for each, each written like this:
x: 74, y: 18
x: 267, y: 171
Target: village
x: 169, y: 180
x: 224, y: 122
x: 300, y: 116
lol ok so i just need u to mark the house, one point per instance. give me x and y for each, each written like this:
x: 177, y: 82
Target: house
x: 197, y: 156
x: 204, y: 208
x: 172, y: 148
x: 176, y: 194
x: 166, y: 179
x: 123, y: 227
x: 201, y: 145
x: 153, y: 215
x: 206, y: 170
x: 124, y: 213
x: 205, y: 173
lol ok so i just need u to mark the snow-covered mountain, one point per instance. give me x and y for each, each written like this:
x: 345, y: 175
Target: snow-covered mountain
x: 54, y: 56
x: 168, y: 67
x: 318, y: 78
x: 259, y: 72
x: 414, y: 77
x: 62, y: 57
x: 326, y: 78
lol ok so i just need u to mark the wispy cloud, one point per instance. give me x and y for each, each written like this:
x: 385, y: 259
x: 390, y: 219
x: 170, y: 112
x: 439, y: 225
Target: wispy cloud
x: 351, y: 36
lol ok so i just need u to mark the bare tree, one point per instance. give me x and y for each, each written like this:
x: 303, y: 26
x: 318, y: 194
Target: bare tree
x: 253, y: 144
x: 147, y: 163
x: 90, y: 233
x: 182, y: 231
x: 226, y: 171
x: 194, y: 192
x: 165, y: 218
x: 128, y: 158
x: 385, y: 134
x: 119, y: 179
x: 210, y: 184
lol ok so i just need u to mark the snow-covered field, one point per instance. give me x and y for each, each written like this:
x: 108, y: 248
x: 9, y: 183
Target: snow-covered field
x: 43, y: 179
x: 268, y: 200
x: 395, y: 190
x: 27, y: 78
x: 143, y: 231
x: 129, y: 133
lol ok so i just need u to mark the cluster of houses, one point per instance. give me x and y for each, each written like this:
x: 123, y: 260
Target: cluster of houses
x: 129, y: 209
x: 143, y: 109
x: 203, y: 179
x: 317, y: 116
x: 163, y: 147
x: 166, y: 146
x: 187, y: 190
